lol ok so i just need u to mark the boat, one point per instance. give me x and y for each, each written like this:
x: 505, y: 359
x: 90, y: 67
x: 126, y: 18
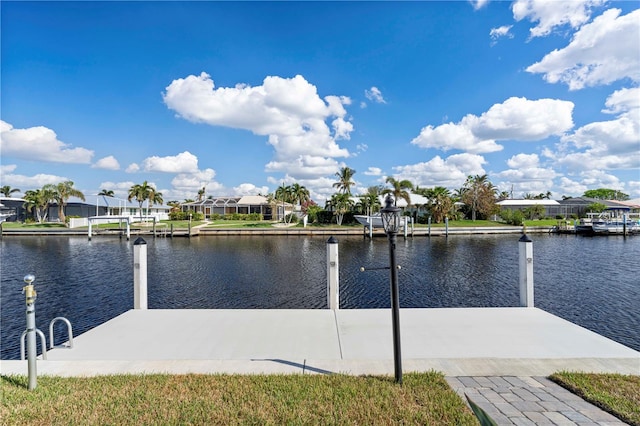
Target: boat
x: 375, y: 220
x: 615, y: 227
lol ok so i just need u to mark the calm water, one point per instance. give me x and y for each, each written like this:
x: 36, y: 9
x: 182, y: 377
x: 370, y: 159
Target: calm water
x: 593, y: 282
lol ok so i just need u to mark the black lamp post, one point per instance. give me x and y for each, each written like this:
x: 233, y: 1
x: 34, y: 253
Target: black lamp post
x: 391, y: 222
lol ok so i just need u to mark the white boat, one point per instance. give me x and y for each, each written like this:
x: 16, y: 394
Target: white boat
x: 375, y: 220
x: 615, y: 227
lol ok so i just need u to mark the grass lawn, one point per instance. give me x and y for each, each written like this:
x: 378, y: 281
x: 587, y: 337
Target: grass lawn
x: 615, y: 393
x: 424, y: 398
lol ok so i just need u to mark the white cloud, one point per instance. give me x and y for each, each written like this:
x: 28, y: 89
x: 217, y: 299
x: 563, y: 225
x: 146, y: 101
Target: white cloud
x: 190, y: 183
x: 600, y: 53
x: 7, y: 168
x: 107, y: 163
x: 288, y: 111
x: 30, y: 182
x: 373, y: 171
x: 184, y: 162
x: 606, y: 145
x: 450, y: 172
x: 522, y: 161
x: 517, y: 119
x: 552, y: 14
x: 375, y: 95
x: 525, y: 175
x: 305, y: 167
x: 500, y: 32
x: 132, y: 168
x: 478, y: 4
x: 40, y: 144
x: 250, y: 189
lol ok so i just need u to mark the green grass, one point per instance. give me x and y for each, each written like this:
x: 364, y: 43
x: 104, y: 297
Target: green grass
x: 424, y: 398
x: 18, y: 225
x: 615, y: 393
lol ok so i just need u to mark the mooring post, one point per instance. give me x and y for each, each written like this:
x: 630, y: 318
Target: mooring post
x: 30, y: 299
x: 429, y: 222
x: 333, y: 283
x: 526, y: 271
x: 446, y: 226
x: 140, y: 274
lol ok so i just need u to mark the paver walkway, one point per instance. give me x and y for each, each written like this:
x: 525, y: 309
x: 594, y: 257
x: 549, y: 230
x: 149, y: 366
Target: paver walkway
x: 524, y: 400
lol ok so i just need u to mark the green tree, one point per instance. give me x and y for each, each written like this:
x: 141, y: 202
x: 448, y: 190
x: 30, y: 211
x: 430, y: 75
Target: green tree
x: 606, y: 194
x: 345, y: 182
x: 300, y: 194
x: 596, y: 207
x: 479, y: 194
x: 38, y: 201
x: 340, y: 204
x: 370, y: 202
x: 62, y: 192
x: 534, y: 212
x: 106, y: 192
x: 201, y: 193
x: 6, y: 190
x: 440, y: 203
x: 399, y: 189
x: 143, y: 192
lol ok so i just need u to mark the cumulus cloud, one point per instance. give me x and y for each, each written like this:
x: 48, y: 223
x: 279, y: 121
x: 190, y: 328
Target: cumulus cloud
x: 250, y: 189
x: 305, y: 167
x: 450, y: 172
x: 552, y: 14
x: 478, y: 4
x: 288, y: 111
x: 517, y: 119
x: 191, y: 183
x: 184, y: 162
x: 604, y: 51
x: 375, y: 95
x: 500, y: 32
x: 606, y: 145
x: 29, y: 182
x: 373, y: 171
x: 132, y: 168
x: 107, y: 163
x: 41, y: 144
x: 526, y: 175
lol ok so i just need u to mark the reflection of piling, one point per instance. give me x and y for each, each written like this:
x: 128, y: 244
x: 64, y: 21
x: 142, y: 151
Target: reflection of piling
x: 140, y: 274
x: 333, y: 283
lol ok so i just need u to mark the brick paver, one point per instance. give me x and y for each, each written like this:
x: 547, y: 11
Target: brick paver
x: 529, y: 401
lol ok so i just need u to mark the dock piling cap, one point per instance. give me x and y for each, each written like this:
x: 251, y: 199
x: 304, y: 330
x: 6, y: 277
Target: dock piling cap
x: 332, y: 240
x: 139, y: 241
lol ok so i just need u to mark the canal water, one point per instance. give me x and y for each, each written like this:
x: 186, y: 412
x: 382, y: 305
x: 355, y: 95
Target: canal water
x: 591, y: 281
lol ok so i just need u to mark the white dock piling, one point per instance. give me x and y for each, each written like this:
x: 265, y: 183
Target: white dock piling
x: 526, y: 271
x: 333, y: 282
x: 140, y: 274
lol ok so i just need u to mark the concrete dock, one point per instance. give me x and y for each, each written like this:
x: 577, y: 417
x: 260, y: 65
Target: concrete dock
x: 455, y: 341
x: 499, y: 357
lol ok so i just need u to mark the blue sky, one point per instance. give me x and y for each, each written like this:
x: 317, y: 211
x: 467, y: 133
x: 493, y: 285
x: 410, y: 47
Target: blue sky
x: 240, y: 97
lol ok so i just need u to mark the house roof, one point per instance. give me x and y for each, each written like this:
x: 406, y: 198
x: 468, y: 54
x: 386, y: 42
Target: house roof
x: 521, y: 203
x: 113, y: 202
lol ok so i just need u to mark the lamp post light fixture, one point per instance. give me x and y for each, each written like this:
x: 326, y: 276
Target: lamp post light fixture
x: 391, y: 222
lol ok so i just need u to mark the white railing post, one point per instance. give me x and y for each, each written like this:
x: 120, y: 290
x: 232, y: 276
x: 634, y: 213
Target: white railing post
x: 333, y: 283
x: 140, y: 274
x: 526, y: 271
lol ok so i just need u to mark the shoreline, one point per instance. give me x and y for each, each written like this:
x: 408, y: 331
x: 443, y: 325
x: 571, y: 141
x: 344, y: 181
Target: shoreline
x: 308, y: 231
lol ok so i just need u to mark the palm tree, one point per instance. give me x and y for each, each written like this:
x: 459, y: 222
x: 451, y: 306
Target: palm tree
x: 6, y: 190
x: 201, y: 193
x: 340, y: 204
x: 440, y: 202
x: 62, y: 192
x: 370, y: 202
x: 106, y: 193
x: 39, y: 200
x: 284, y: 193
x: 143, y: 192
x: 400, y: 189
x: 300, y: 194
x: 480, y: 194
x: 345, y: 183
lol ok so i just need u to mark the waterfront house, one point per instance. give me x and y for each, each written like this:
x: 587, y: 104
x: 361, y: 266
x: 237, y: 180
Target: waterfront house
x: 102, y: 205
x: 578, y: 206
x: 245, y: 204
x: 552, y: 208
x: 12, y: 209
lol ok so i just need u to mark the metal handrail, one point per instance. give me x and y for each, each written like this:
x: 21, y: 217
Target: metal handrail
x: 69, y: 344
x: 43, y: 342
